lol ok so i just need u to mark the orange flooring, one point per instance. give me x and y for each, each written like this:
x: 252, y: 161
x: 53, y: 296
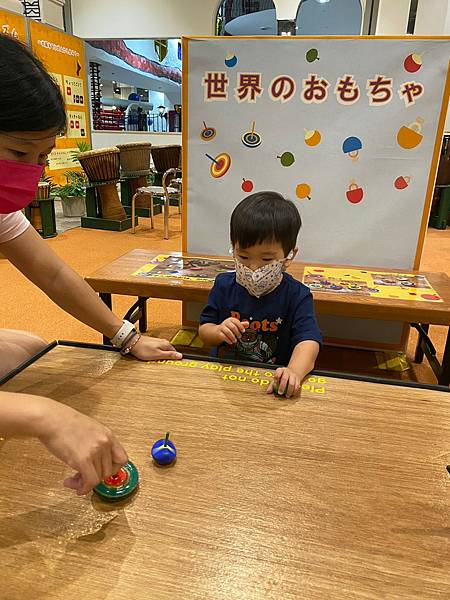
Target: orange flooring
x: 26, y: 307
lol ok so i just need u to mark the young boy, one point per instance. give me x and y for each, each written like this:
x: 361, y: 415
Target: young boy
x: 260, y: 312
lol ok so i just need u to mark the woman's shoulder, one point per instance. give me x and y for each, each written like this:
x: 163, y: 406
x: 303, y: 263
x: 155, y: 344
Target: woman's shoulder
x: 12, y: 225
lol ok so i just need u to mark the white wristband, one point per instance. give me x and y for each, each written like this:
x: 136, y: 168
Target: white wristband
x: 122, y: 334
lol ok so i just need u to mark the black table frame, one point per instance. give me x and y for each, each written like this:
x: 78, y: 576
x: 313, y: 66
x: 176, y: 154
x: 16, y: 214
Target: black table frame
x: 268, y: 367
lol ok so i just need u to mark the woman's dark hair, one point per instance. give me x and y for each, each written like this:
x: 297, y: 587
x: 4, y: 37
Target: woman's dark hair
x: 265, y: 217
x: 30, y: 100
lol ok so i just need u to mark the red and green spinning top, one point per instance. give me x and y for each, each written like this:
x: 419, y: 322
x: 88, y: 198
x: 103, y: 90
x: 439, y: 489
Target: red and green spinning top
x: 121, y: 485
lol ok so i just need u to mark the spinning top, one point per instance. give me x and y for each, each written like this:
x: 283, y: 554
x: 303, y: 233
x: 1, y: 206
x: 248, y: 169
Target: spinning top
x: 287, y: 159
x: 208, y: 133
x: 247, y: 185
x: 119, y: 486
x: 312, y: 55
x: 412, y: 63
x: 312, y: 137
x: 303, y: 190
x: 219, y: 164
x: 251, y: 139
x: 402, y: 182
x: 351, y: 146
x: 231, y: 60
x: 354, y: 193
x: 408, y: 137
x: 276, y: 387
x: 164, y: 451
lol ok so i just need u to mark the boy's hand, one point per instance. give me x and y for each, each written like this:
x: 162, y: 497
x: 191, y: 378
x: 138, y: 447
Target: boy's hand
x: 286, y: 381
x: 231, y: 330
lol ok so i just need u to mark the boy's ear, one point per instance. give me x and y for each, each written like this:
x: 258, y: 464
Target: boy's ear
x: 293, y: 253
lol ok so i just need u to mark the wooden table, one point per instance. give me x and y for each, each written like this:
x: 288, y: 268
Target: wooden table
x: 116, y: 278
x: 343, y: 493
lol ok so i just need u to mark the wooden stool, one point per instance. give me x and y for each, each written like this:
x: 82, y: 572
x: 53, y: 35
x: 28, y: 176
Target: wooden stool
x: 166, y: 193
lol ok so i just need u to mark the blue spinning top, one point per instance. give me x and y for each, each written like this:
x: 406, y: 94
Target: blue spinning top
x: 164, y: 451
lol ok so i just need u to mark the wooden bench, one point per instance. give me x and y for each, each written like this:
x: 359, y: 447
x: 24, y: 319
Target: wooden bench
x: 117, y: 278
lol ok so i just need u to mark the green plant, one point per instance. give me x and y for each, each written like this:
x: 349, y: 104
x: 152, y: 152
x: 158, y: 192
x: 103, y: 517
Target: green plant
x: 46, y: 178
x: 81, y: 147
x: 75, y: 186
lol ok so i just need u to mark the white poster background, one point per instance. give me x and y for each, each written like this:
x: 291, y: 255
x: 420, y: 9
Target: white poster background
x: 382, y: 230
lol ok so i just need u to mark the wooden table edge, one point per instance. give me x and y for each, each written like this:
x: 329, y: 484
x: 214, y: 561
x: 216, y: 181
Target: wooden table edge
x: 210, y: 359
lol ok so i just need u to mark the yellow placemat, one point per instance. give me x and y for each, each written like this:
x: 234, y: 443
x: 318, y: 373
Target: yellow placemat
x: 376, y: 284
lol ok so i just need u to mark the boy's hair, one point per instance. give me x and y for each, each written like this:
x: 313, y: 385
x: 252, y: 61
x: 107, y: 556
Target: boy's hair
x: 265, y: 217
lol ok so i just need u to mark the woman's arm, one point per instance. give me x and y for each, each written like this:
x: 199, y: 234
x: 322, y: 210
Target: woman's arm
x: 88, y: 447
x: 33, y: 257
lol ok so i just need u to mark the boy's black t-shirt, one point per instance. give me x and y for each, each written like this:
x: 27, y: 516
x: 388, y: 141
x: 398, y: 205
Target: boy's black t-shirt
x: 278, y: 321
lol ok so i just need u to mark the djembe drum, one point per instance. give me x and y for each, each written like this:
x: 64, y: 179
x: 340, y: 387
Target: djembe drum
x: 43, y: 193
x: 135, y: 166
x: 165, y: 158
x: 102, y: 168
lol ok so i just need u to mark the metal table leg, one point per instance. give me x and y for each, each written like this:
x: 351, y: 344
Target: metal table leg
x: 418, y: 357
x: 444, y: 378
x: 166, y: 216
x: 138, y: 312
x: 107, y: 299
x: 143, y: 320
x: 133, y: 214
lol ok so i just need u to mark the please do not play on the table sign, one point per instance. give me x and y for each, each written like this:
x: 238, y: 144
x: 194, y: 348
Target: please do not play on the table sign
x: 261, y: 377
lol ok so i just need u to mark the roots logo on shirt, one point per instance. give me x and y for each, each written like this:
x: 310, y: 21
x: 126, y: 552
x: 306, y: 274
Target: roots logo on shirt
x: 263, y: 326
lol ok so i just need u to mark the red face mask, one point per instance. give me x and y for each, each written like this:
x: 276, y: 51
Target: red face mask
x: 18, y: 184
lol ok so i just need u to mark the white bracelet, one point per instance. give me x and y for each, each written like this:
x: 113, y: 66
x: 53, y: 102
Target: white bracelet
x: 122, y: 334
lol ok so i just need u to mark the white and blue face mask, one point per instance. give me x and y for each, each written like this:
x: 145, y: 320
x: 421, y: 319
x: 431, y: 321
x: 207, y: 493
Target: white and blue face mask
x: 263, y: 280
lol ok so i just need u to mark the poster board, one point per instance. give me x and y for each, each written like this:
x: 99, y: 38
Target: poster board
x: 63, y: 56
x: 346, y: 127
x: 13, y: 25
x: 350, y: 128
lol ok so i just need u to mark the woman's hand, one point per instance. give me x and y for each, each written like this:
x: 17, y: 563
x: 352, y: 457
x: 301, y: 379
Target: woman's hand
x: 150, y: 348
x: 81, y: 442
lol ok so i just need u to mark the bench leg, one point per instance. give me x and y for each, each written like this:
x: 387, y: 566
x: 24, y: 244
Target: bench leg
x: 444, y: 378
x: 107, y: 299
x: 138, y: 312
x: 152, y: 211
x: 143, y: 319
x: 166, y: 217
x: 133, y: 214
x: 418, y: 357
